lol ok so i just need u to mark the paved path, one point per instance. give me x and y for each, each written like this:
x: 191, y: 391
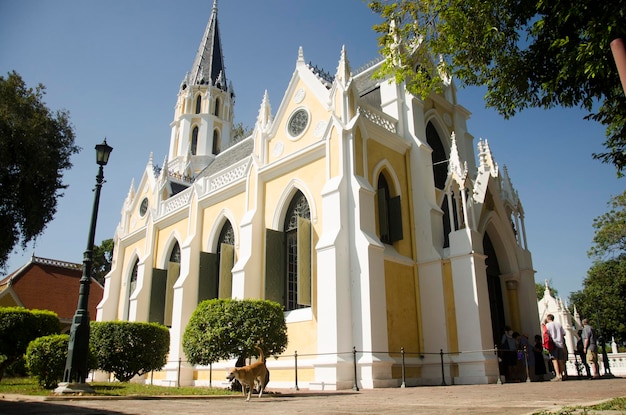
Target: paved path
x: 510, y: 399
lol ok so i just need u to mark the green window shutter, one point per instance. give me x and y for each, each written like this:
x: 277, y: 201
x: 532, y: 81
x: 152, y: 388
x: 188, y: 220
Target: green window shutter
x: 157, y: 296
x: 207, y: 284
x: 395, y: 219
x: 227, y: 261
x: 275, y: 266
x: 383, y: 215
x: 173, y: 272
x: 304, y: 261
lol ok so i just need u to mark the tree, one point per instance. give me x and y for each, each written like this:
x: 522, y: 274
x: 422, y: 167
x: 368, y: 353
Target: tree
x: 35, y: 149
x: 603, y: 297
x: 538, y: 54
x: 610, y: 230
x: 240, y: 132
x: 127, y: 348
x: 224, y: 328
x: 18, y: 327
x: 102, y: 260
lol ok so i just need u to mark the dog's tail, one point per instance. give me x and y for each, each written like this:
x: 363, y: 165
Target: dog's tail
x: 261, y: 355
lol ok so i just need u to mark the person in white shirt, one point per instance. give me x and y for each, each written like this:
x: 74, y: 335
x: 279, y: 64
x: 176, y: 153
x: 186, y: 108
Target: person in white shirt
x: 558, y: 355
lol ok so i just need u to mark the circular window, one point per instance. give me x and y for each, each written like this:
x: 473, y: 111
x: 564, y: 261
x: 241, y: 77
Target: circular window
x: 298, y: 122
x: 143, y: 208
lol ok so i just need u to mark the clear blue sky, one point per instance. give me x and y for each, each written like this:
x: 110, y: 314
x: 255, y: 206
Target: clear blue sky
x: 117, y: 65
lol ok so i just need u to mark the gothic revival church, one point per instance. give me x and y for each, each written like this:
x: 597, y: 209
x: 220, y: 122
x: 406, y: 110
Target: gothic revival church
x: 365, y: 211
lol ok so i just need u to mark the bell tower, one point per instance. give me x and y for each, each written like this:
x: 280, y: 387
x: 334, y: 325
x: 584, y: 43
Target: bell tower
x: 203, y: 116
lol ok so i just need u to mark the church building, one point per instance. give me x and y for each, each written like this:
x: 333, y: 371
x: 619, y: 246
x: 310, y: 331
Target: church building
x: 373, y: 216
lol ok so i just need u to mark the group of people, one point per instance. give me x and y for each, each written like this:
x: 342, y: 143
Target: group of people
x: 520, y: 360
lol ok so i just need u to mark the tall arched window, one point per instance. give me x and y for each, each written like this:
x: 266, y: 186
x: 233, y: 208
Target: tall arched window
x: 162, y: 290
x: 440, y: 174
x: 439, y: 157
x: 389, y: 213
x: 198, y: 104
x: 288, y: 257
x: 173, y: 272
x: 216, y: 269
x: 216, y: 142
x: 216, y: 110
x: 194, y: 141
x: 132, y: 284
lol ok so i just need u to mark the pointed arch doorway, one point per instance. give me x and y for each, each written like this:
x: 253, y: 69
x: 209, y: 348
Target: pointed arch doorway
x: 494, y: 284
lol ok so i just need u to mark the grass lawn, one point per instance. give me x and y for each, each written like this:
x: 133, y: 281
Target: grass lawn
x: 617, y: 404
x: 29, y: 386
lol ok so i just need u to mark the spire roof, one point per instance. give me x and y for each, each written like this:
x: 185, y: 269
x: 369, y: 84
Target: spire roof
x: 208, y: 66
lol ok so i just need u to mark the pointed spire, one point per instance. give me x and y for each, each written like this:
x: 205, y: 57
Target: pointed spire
x: 486, y: 158
x: 265, y: 111
x: 343, y: 70
x: 300, y: 60
x: 456, y: 166
x: 208, y: 67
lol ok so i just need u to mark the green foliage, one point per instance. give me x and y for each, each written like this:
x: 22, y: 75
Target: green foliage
x: 240, y: 132
x: 35, y: 149
x: 102, y: 260
x: 609, y: 240
x: 128, y: 348
x: 45, y: 359
x: 603, y: 297
x: 224, y: 328
x: 18, y: 327
x: 538, y: 54
x: 46, y: 356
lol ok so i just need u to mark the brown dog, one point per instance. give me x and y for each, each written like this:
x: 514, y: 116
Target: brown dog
x: 251, y: 374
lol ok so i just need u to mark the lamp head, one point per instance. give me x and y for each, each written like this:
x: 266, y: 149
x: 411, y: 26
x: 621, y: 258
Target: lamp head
x: 103, y: 151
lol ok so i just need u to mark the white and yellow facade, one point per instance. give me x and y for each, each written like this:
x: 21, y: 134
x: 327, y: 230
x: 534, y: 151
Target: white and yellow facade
x: 362, y: 209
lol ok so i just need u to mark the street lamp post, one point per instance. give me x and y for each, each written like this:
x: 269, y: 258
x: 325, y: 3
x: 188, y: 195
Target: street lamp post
x: 76, y: 368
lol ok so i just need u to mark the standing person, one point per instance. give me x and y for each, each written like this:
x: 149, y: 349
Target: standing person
x: 590, y: 347
x: 557, y: 333
x: 508, y: 347
x: 580, y: 351
x: 540, y: 364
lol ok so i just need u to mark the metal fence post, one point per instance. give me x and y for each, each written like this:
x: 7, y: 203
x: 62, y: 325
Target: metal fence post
x: 495, y: 351
x: 178, y: 373
x: 403, y: 369
x: 526, y: 360
x: 443, y: 376
x: 295, y: 355
x: 355, y: 386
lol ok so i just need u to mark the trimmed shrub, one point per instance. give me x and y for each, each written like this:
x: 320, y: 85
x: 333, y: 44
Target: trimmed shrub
x: 18, y: 327
x: 127, y: 348
x: 45, y: 359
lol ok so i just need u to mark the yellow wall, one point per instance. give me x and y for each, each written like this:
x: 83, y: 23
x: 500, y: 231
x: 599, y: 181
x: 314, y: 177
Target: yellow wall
x: 164, y: 242
x: 402, y: 329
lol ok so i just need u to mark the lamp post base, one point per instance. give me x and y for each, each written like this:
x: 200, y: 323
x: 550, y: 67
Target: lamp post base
x: 73, y: 388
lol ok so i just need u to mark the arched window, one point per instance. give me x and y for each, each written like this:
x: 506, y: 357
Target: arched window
x: 173, y: 272
x: 194, y: 141
x: 440, y: 174
x: 216, y: 269
x: 132, y: 284
x: 216, y: 110
x: 162, y: 292
x: 216, y: 142
x: 198, y: 104
x: 389, y: 213
x: 288, y: 257
x: 439, y: 157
